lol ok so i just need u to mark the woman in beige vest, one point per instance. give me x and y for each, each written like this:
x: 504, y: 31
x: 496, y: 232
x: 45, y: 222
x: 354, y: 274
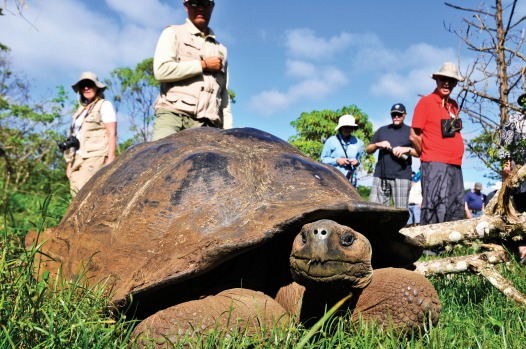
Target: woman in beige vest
x: 94, y: 128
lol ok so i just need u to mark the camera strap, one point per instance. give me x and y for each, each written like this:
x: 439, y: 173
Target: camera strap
x: 83, y: 110
x: 350, y: 172
x: 341, y: 143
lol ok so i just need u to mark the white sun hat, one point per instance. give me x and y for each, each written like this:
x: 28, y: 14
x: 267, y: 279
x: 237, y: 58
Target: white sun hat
x: 346, y: 120
x: 449, y: 70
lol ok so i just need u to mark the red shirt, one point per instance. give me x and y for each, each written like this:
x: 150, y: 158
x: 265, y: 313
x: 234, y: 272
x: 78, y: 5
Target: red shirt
x: 428, y: 113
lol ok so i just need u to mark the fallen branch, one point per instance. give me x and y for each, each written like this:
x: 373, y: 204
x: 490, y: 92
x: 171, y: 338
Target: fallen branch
x: 500, y: 221
x: 482, y: 263
x: 496, y: 255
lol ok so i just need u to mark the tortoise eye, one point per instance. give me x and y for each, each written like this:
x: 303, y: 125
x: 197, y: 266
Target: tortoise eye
x: 347, y: 239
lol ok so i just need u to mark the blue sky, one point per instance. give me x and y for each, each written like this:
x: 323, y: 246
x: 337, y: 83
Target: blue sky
x: 285, y: 57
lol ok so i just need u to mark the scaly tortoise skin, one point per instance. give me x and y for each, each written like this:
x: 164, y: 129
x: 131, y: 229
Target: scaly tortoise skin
x: 188, y: 224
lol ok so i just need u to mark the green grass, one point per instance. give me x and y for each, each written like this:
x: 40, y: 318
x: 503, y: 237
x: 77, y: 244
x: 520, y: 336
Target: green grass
x: 48, y: 313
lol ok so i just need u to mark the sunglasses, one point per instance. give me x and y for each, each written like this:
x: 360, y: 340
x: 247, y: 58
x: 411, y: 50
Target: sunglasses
x: 397, y: 115
x: 86, y: 84
x: 445, y: 79
x: 200, y: 3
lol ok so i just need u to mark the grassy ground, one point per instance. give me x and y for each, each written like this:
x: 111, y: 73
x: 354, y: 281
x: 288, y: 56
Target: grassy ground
x: 49, y: 314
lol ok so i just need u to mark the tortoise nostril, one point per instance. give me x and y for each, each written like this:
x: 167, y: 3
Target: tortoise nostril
x: 323, y: 232
x: 315, y: 231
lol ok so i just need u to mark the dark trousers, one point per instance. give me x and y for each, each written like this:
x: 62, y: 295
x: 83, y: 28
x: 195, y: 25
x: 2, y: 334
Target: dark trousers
x: 442, y: 193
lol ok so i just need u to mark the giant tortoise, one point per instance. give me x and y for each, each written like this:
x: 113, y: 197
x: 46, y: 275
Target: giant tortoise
x: 222, y: 228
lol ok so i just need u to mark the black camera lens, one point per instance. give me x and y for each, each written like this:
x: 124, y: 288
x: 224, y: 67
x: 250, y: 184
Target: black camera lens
x: 70, y: 142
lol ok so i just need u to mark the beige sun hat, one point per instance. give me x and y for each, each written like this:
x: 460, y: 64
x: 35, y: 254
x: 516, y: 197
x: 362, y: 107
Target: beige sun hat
x: 89, y: 76
x: 450, y: 70
x: 346, y: 120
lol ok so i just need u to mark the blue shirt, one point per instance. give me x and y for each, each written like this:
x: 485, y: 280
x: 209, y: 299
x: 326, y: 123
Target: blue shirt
x: 333, y: 150
x: 474, y: 200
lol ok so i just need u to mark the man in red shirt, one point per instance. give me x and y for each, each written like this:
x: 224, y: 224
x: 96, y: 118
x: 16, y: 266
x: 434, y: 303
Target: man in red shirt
x: 435, y: 133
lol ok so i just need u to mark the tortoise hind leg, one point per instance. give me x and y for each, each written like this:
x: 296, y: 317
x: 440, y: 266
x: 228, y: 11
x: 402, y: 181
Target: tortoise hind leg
x: 398, y: 298
x: 232, y: 310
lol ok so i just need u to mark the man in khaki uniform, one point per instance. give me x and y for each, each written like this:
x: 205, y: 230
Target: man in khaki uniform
x: 191, y: 66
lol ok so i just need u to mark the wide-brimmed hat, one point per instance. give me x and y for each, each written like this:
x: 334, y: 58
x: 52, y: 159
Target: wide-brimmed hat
x: 346, y: 120
x: 449, y: 70
x: 478, y: 186
x: 88, y: 76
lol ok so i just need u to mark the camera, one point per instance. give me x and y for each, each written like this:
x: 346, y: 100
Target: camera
x: 403, y: 156
x: 70, y: 142
x: 450, y: 126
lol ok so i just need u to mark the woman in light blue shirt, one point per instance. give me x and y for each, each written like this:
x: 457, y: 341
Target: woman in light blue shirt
x: 344, y: 150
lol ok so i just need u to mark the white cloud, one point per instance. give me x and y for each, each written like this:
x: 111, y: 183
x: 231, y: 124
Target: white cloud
x: 62, y: 38
x: 267, y: 102
x: 148, y: 13
x: 316, y: 86
x: 305, y: 44
x: 410, y: 75
x: 300, y: 69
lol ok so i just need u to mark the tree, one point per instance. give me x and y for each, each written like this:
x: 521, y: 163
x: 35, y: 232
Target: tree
x: 29, y: 132
x: 134, y: 92
x: 20, y: 5
x: 315, y: 127
x: 493, y: 80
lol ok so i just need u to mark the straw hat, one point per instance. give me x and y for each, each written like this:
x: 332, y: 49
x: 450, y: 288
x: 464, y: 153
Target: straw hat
x: 89, y: 76
x: 346, y: 120
x: 449, y: 70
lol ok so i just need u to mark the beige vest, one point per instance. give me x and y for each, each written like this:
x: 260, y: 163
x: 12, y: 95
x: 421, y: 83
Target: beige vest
x: 200, y: 96
x: 93, y: 141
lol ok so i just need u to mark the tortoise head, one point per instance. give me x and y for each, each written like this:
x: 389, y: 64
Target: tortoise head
x: 327, y: 253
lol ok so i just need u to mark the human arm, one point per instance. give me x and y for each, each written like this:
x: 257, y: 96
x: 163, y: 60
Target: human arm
x: 166, y: 64
x: 68, y: 170
x: 109, y: 119
x: 111, y: 135
x: 332, y: 154
x: 399, y: 151
x: 228, y: 120
x: 356, y: 161
x: 467, y: 211
x: 416, y: 139
x: 372, y: 147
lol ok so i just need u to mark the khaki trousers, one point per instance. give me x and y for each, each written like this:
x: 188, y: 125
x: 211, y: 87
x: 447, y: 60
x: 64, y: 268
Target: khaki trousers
x: 83, y: 170
x: 168, y: 122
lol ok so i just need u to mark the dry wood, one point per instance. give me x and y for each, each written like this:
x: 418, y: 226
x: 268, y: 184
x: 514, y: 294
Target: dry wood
x: 500, y: 221
x: 482, y: 263
x: 496, y: 255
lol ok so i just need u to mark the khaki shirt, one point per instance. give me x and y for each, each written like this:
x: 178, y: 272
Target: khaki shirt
x: 168, y: 67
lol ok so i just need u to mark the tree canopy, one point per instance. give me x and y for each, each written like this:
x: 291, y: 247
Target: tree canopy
x: 315, y: 127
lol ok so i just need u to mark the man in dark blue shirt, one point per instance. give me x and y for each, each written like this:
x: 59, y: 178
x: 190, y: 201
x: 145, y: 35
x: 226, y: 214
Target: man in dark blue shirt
x: 474, y: 202
x: 392, y: 175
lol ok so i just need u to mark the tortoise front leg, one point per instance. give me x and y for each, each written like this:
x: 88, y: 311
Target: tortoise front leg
x: 232, y: 310
x: 398, y: 298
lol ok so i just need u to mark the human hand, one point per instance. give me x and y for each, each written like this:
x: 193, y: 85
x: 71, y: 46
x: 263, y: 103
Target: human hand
x: 212, y: 64
x: 343, y: 161
x: 399, y: 151
x: 383, y: 144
